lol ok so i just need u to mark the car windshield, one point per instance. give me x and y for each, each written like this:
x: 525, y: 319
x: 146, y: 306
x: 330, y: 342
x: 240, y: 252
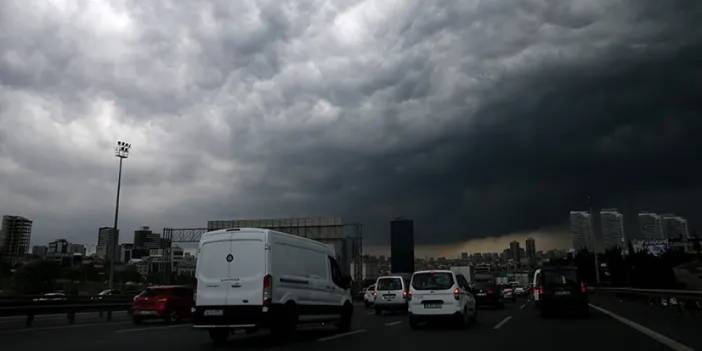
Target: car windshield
x: 560, y: 278
x: 432, y: 281
x: 390, y: 284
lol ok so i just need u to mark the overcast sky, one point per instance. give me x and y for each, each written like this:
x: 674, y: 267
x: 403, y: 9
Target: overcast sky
x: 475, y: 118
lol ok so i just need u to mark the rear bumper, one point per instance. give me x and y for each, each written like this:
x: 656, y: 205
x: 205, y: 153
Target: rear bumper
x: 146, y: 313
x: 564, y: 304
x: 434, y: 317
x: 233, y: 316
x: 391, y: 305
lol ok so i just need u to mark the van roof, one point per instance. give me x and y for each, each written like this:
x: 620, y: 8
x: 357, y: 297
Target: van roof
x: 434, y: 271
x: 266, y: 231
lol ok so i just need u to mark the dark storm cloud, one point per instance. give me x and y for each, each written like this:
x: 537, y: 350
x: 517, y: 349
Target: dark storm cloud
x: 473, y: 118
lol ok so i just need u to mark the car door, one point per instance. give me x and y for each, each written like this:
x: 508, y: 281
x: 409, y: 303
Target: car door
x: 213, y: 271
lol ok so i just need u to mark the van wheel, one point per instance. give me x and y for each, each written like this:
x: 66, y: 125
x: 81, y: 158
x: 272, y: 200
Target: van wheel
x: 346, y: 315
x: 219, y: 335
x: 286, y: 323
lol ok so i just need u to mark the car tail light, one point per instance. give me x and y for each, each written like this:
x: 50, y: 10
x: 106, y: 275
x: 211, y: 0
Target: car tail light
x: 267, y: 289
x: 407, y: 294
x: 583, y: 287
x: 456, y: 293
x: 490, y: 291
x: 540, y: 290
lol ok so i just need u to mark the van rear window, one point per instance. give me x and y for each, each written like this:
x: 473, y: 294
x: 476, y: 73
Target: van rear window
x: 432, y: 281
x: 560, y: 278
x: 389, y: 284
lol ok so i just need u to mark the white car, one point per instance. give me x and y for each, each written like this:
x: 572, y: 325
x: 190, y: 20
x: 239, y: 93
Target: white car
x: 520, y: 291
x: 250, y: 278
x: 391, y: 294
x: 440, y: 294
x: 508, y: 294
x: 369, y: 295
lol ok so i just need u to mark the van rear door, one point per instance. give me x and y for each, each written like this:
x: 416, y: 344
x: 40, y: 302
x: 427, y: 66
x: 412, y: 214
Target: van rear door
x: 213, y: 271
x: 246, y: 270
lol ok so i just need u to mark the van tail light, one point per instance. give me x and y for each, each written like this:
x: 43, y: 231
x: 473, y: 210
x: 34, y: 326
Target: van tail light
x: 583, y: 287
x: 456, y: 293
x: 267, y: 290
x: 407, y: 294
x: 540, y: 290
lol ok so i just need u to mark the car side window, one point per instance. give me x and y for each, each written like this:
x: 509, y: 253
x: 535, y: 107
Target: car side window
x: 462, y: 282
x: 335, y: 272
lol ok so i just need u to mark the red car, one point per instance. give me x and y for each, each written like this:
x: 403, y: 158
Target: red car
x: 170, y: 303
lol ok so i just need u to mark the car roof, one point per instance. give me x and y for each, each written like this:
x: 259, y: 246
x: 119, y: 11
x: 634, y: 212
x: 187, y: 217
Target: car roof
x: 389, y: 277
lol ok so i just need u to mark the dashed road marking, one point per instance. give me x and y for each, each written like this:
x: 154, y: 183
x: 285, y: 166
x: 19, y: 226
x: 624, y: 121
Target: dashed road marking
x: 342, y: 335
x: 499, y: 325
x: 675, y: 345
x: 151, y: 328
x: 390, y: 324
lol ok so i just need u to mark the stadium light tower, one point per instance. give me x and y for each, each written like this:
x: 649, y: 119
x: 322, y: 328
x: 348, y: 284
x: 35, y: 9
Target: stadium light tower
x: 121, y: 152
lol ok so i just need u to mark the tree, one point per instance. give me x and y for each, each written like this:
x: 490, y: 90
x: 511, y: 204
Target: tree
x: 36, y: 277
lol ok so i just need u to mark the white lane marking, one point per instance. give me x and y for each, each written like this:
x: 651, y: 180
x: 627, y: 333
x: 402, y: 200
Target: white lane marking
x: 151, y: 328
x: 502, y: 322
x: 522, y: 306
x: 390, y: 324
x: 32, y: 329
x: 342, y: 335
x: 653, y: 334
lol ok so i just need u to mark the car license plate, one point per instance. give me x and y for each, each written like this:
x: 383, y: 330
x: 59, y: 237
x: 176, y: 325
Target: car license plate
x: 214, y: 312
x: 562, y: 293
x: 432, y: 305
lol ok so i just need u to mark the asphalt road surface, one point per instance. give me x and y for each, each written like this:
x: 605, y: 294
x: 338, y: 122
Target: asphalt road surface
x: 518, y: 326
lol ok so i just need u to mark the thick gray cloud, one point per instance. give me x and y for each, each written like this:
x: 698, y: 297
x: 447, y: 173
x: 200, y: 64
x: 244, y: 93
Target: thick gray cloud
x: 475, y: 118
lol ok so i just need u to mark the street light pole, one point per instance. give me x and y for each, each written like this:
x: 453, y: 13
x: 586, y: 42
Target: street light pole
x: 121, y: 152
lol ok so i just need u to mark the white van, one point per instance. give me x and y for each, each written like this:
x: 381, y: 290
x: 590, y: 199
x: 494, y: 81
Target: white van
x: 249, y: 278
x: 391, y: 294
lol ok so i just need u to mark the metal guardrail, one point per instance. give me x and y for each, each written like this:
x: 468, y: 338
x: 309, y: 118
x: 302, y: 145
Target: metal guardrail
x: 26, y: 306
x: 682, y: 300
x: 696, y: 294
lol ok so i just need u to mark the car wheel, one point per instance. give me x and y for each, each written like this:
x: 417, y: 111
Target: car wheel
x: 219, y: 335
x: 474, y: 317
x: 367, y: 304
x: 171, y: 317
x: 378, y: 312
x: 346, y: 316
x: 463, y: 319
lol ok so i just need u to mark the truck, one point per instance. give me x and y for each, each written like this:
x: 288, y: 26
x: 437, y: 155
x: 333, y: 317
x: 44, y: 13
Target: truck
x: 466, y: 271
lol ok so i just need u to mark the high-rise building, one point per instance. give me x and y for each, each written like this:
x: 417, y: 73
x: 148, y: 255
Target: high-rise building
x: 58, y: 247
x: 402, y: 245
x: 125, y: 252
x: 515, y: 253
x: 650, y: 226
x: 612, y: 223
x: 674, y: 227
x: 145, y: 239
x: 581, y: 227
x: 15, y: 234
x: 106, y: 242
x: 77, y: 249
x: 530, y: 248
x: 464, y: 256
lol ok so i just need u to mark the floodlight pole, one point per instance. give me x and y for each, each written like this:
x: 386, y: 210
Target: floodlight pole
x: 121, y: 152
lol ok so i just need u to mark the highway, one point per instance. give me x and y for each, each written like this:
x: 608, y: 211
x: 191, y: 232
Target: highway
x: 518, y: 326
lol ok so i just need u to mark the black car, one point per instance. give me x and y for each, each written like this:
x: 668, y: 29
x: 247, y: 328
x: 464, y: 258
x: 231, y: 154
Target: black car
x: 561, y: 290
x: 487, y: 293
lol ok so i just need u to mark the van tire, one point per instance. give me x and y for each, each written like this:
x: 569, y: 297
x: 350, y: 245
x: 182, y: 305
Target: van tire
x: 346, y: 316
x: 218, y: 335
x: 286, y: 323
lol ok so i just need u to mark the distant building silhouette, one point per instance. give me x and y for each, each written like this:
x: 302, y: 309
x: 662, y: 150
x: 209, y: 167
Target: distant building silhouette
x: 106, y: 242
x: 402, y: 246
x: 530, y: 248
x: 674, y: 227
x: 15, y: 234
x: 612, y: 224
x: 650, y: 226
x: 581, y: 227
